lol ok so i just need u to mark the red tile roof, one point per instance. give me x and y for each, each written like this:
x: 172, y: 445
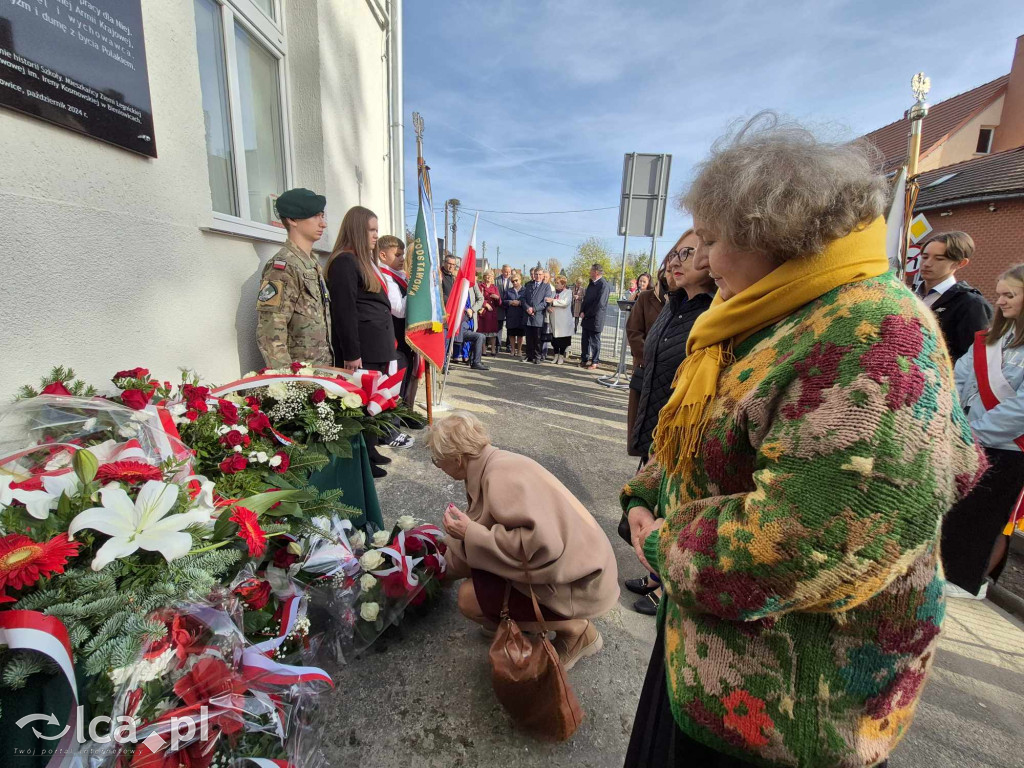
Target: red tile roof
x: 988, y: 177
x: 943, y: 119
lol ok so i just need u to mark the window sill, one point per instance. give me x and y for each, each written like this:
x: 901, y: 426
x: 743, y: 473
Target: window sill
x: 251, y: 230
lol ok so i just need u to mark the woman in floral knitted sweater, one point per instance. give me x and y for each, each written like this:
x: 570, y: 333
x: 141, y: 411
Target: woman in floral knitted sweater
x: 801, y: 469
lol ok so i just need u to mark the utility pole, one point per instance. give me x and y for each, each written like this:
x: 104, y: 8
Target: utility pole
x: 497, y: 256
x: 483, y: 253
x: 446, y: 249
x: 455, y: 225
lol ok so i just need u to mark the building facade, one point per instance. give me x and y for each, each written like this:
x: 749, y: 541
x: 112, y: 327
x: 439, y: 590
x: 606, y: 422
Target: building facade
x: 113, y: 259
x: 972, y: 170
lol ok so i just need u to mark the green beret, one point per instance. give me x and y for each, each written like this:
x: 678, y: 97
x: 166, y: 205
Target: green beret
x: 300, y: 203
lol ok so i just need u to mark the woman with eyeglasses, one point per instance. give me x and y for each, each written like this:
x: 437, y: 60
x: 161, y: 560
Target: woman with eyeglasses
x: 688, y: 294
x: 646, y: 308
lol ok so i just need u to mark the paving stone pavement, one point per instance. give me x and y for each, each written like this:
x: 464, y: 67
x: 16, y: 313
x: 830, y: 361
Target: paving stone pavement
x: 423, y: 697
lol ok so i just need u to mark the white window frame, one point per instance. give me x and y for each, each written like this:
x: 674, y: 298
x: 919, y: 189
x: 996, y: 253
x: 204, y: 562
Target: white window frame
x: 271, y: 36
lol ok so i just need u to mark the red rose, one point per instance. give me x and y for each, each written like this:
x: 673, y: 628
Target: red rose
x: 253, y: 402
x: 136, y: 398
x: 432, y: 565
x: 132, y: 373
x: 285, y: 462
x: 195, y: 397
x: 167, y: 386
x: 283, y: 558
x: 236, y: 462
x: 258, y: 423
x: 228, y: 412
x: 296, y: 365
x: 442, y: 547
x: 261, y: 371
x: 394, y: 585
x: 255, y: 593
x: 192, y: 414
x: 57, y: 388
x: 231, y: 439
x: 413, y: 545
x: 419, y: 598
x: 318, y: 396
x: 245, y: 441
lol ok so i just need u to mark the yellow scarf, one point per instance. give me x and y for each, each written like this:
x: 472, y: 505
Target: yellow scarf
x: 681, y: 424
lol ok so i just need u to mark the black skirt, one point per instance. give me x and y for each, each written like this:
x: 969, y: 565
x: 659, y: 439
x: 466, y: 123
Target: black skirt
x: 656, y: 740
x: 973, y: 526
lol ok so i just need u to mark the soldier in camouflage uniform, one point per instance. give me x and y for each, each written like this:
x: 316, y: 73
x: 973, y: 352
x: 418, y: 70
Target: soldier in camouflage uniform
x: 293, y: 305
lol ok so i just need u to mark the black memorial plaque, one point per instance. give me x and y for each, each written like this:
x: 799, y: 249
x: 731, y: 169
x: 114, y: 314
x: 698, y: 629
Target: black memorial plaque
x: 80, y: 64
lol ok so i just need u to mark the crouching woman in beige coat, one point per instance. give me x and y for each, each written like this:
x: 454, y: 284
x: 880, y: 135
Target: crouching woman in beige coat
x: 522, y: 526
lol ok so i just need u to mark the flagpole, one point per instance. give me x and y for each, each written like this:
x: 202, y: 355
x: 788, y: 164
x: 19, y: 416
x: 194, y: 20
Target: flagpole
x: 920, y: 84
x: 417, y: 121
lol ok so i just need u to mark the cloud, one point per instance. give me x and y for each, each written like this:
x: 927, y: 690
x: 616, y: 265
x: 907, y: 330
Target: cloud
x: 531, y: 104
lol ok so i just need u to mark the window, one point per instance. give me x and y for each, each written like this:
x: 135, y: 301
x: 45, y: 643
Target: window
x: 984, y: 141
x: 241, y: 72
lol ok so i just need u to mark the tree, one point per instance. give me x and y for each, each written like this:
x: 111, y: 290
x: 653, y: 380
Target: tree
x: 591, y: 251
x: 636, y: 264
x: 554, y: 266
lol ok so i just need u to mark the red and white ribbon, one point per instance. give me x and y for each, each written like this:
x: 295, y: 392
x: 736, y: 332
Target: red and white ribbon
x: 262, y: 762
x: 377, y: 391
x: 403, y: 562
x: 169, y: 442
x: 258, y: 668
x: 44, y: 634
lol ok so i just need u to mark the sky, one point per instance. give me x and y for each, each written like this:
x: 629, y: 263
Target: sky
x: 530, y: 105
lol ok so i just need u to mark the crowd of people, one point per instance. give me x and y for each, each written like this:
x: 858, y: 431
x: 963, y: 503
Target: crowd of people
x: 538, y: 317
x: 798, y: 536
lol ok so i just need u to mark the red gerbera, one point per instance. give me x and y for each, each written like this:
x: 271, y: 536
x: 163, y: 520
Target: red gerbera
x: 249, y: 529
x: 130, y: 472
x: 23, y: 562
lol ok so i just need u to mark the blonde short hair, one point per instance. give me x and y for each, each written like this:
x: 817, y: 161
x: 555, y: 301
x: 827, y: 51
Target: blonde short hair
x: 460, y: 433
x: 773, y: 187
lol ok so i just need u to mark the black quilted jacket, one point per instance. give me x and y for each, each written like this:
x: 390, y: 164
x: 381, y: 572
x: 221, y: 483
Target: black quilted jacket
x: 664, y: 350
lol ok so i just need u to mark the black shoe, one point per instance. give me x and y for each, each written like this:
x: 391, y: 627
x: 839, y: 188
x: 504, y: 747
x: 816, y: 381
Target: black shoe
x: 378, y: 472
x: 376, y: 457
x: 641, y: 586
x: 479, y: 367
x: 535, y: 361
x: 647, y: 605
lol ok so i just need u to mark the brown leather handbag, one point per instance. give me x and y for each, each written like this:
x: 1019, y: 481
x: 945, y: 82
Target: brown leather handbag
x: 530, y: 681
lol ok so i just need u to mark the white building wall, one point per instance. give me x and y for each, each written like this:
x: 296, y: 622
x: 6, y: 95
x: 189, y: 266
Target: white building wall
x: 107, y: 257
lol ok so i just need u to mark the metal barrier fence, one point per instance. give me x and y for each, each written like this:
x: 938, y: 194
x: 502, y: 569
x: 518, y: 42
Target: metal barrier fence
x: 611, y: 337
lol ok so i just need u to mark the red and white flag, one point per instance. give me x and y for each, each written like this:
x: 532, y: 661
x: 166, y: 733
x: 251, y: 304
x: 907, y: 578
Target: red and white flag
x: 465, y: 277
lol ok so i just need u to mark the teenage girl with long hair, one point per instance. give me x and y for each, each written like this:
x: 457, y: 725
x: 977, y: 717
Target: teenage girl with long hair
x: 362, y: 331
x: 990, y: 381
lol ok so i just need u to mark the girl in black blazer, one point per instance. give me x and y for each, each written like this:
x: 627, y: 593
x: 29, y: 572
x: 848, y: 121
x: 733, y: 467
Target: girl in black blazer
x: 362, y: 332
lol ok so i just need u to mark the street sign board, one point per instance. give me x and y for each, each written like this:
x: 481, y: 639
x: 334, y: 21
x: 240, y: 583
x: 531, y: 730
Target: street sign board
x: 644, y: 194
x: 919, y: 228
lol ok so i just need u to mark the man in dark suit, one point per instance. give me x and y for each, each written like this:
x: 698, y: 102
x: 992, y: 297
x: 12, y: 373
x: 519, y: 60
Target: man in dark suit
x: 503, y: 282
x: 535, y: 302
x: 961, y: 309
x: 595, y: 304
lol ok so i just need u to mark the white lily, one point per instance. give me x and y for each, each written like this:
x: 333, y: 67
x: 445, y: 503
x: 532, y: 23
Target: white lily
x: 142, y: 524
x: 6, y: 494
x: 41, y: 503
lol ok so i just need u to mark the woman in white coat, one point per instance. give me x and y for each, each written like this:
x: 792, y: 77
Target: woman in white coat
x: 990, y: 381
x: 560, y: 317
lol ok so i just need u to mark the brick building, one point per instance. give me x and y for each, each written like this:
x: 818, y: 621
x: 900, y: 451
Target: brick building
x: 985, y: 198
x: 972, y: 169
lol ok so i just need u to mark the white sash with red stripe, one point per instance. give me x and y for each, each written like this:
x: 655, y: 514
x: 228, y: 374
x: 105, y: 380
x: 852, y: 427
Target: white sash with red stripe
x: 994, y: 389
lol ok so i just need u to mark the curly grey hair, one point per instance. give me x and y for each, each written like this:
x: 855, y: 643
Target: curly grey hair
x: 772, y: 187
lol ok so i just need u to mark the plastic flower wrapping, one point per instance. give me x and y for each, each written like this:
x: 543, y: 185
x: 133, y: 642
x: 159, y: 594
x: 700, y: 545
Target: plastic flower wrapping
x: 164, y: 552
